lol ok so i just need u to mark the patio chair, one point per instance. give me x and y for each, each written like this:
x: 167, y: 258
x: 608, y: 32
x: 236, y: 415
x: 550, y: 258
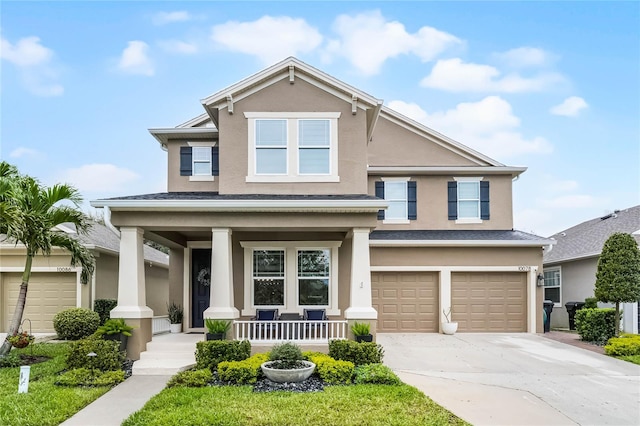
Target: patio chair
x: 265, y: 331
x: 314, y: 315
x: 315, y: 328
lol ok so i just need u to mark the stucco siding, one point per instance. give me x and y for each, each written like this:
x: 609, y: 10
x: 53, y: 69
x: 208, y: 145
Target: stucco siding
x: 157, y: 288
x: 177, y: 183
x: 578, y: 282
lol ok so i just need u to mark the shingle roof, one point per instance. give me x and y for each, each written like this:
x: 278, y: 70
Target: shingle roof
x: 587, y: 238
x: 217, y: 196
x: 455, y: 235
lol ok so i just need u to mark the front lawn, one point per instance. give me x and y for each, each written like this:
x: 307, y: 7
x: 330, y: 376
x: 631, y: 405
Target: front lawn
x: 45, y: 403
x: 336, y: 405
x: 631, y: 358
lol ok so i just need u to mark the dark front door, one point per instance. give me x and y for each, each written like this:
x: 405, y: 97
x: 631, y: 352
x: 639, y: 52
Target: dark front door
x: 200, y: 284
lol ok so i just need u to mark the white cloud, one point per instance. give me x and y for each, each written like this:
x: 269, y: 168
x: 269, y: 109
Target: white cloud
x: 570, y: 107
x: 269, y: 38
x: 162, y: 18
x: 488, y: 126
x: 453, y: 75
x: 572, y: 201
x: 35, y: 65
x: 522, y: 57
x: 24, y: 152
x: 368, y: 40
x: 134, y: 59
x: 99, y: 178
x: 177, y: 46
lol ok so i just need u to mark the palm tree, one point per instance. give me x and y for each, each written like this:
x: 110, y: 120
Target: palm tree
x: 29, y: 212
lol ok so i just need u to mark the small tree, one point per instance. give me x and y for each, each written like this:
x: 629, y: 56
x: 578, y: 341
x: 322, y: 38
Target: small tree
x: 618, y: 275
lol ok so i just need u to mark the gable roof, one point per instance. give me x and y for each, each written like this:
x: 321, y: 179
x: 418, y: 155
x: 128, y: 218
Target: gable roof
x: 586, y: 239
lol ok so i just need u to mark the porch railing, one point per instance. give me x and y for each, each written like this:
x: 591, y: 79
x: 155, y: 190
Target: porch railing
x: 297, y: 331
x: 160, y: 324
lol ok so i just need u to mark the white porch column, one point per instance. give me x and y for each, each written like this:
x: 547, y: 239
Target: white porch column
x: 360, y: 288
x: 132, y: 299
x: 221, y: 304
x: 445, y: 296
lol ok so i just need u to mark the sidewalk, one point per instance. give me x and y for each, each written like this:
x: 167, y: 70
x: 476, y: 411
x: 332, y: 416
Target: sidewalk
x: 115, y: 406
x: 573, y: 338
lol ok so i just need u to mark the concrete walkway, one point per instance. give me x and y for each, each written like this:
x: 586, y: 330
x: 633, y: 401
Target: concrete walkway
x: 516, y: 379
x: 115, y: 406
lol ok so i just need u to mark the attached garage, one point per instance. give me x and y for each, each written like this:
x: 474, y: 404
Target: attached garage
x: 406, y: 301
x: 489, y: 301
x: 48, y: 293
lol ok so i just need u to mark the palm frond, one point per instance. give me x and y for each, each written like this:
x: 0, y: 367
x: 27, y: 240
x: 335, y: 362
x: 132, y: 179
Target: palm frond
x: 80, y: 255
x: 63, y: 192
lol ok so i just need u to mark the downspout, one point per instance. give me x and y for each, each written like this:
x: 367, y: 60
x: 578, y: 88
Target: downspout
x: 107, y: 221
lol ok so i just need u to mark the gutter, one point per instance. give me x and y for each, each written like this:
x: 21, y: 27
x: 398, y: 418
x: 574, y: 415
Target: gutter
x: 107, y: 220
x: 457, y: 243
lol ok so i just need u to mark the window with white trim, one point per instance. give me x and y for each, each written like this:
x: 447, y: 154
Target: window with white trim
x: 395, y: 192
x: 469, y: 200
x: 268, y: 277
x: 553, y: 285
x: 293, y: 147
x: 201, y: 157
x: 313, y: 277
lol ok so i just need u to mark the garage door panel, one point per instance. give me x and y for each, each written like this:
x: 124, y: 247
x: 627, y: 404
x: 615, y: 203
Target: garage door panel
x: 47, y: 294
x: 405, y: 301
x: 489, y: 302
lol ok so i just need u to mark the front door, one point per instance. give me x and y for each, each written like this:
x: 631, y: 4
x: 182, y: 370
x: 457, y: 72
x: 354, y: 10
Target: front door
x: 200, y: 285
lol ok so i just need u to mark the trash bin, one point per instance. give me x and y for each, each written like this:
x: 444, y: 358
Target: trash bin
x: 548, y: 308
x: 572, y: 307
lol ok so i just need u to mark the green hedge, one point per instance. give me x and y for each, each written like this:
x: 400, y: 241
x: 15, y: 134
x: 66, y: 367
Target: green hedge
x: 75, y: 323
x: 625, y: 345
x: 103, y: 308
x: 331, y: 371
x: 596, y: 325
x: 89, y: 377
x: 191, y: 378
x: 242, y: 372
x: 212, y: 352
x: 376, y: 374
x: 107, y: 355
x: 359, y: 353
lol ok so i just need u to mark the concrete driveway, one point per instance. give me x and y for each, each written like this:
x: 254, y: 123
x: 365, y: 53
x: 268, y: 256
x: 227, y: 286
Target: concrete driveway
x: 516, y: 379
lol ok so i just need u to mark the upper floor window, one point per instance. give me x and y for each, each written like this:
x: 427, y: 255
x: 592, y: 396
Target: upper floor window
x: 553, y: 286
x: 468, y: 200
x: 293, y: 147
x: 199, y: 161
x: 401, y: 195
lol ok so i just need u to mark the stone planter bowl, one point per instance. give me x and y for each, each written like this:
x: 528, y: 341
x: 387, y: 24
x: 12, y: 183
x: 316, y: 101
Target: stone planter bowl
x: 288, y: 376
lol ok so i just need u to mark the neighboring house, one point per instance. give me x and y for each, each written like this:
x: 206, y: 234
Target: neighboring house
x: 55, y: 285
x: 296, y: 190
x: 571, y: 264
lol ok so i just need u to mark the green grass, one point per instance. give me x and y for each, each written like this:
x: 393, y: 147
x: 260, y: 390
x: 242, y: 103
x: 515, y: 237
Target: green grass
x: 45, y: 403
x: 631, y: 358
x: 338, y: 405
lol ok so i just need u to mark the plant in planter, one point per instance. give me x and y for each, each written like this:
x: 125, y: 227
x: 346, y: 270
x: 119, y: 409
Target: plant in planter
x: 216, y: 329
x: 362, y: 332
x: 449, y: 327
x: 21, y: 340
x: 115, y: 329
x: 286, y: 364
x: 175, y: 313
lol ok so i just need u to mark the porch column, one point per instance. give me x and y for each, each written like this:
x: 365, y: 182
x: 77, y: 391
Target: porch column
x: 360, y: 306
x: 445, y: 296
x: 131, y: 291
x: 221, y: 304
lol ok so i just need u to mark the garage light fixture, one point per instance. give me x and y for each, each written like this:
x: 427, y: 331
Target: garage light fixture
x: 540, y: 280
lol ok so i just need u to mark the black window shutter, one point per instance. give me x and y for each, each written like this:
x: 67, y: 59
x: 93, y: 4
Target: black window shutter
x: 380, y: 194
x: 185, y: 161
x: 452, y: 194
x: 412, y: 207
x: 215, y: 161
x: 484, y: 200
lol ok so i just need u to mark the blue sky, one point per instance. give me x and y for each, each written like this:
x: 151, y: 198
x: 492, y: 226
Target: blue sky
x: 554, y: 86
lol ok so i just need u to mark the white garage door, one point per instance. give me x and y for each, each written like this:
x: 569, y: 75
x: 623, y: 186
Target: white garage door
x: 48, y: 293
x: 406, y: 301
x: 489, y: 302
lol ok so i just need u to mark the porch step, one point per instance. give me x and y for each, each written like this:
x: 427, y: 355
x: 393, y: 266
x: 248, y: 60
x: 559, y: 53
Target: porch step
x: 167, y: 354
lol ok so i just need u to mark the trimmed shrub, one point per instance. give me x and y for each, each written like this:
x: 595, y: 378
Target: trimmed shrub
x: 75, y: 323
x: 285, y: 352
x: 191, y: 378
x: 103, y: 308
x: 89, y: 377
x: 211, y: 352
x: 596, y: 325
x: 107, y: 356
x: 590, y: 303
x: 375, y: 374
x: 625, y: 345
x: 242, y: 372
x: 330, y: 370
x: 357, y: 353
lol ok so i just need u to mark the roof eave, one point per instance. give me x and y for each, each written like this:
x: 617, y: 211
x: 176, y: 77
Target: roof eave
x: 438, y: 170
x: 458, y: 243
x: 162, y: 135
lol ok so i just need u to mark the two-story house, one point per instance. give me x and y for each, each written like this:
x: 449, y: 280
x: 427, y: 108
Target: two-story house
x: 295, y: 190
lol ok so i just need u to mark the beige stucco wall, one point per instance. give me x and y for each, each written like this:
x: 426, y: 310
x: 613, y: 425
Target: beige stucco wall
x: 281, y: 97
x: 15, y: 258
x: 176, y: 279
x: 433, y: 204
x: 157, y: 288
x: 578, y: 283
x: 106, y: 277
x: 394, y: 145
